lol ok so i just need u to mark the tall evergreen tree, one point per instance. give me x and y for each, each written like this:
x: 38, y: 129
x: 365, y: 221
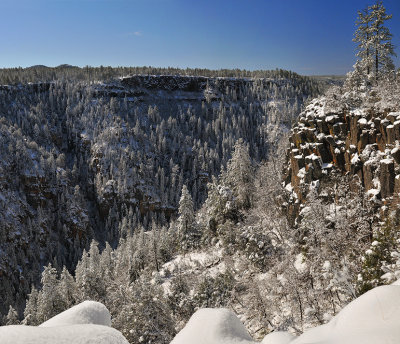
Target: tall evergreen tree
x: 186, y: 221
x: 381, y: 40
x: 89, y: 276
x: 362, y: 38
x: 239, y: 174
x: 30, y: 311
x: 49, y: 301
x: 12, y: 317
x: 67, y: 289
x: 374, y: 45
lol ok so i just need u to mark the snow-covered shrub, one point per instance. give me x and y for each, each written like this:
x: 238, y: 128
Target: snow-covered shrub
x: 214, y: 291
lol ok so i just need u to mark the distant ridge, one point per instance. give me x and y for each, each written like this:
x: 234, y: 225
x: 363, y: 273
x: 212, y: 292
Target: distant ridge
x: 65, y: 65
x: 37, y: 66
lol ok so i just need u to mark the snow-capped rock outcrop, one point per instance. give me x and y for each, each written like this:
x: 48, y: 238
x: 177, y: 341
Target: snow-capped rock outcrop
x: 213, y: 326
x: 87, y: 312
x: 88, y: 322
x: 82, y: 334
x: 372, y: 318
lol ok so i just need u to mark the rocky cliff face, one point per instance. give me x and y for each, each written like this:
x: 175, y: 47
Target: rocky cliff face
x: 192, y: 83
x: 362, y: 144
x: 150, y: 88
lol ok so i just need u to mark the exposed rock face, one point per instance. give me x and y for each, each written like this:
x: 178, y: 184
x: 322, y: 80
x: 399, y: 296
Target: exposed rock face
x: 362, y: 143
x: 189, y: 83
x: 166, y: 82
x: 140, y: 86
x: 32, y: 87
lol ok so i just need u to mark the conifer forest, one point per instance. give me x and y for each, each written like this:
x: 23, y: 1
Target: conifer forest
x: 267, y: 198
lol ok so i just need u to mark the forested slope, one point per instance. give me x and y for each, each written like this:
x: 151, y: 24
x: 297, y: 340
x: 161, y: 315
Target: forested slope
x: 88, y: 154
x: 284, y: 240
x: 242, y: 249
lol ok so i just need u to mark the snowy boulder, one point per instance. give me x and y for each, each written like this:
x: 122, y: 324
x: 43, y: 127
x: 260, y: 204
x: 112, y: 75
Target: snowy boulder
x: 86, y: 323
x: 213, y: 326
x: 87, y: 312
x: 372, y: 318
x: 278, y: 337
x: 377, y: 309
x: 71, y: 334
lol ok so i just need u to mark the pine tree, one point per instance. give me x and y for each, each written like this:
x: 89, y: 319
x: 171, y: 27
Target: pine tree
x: 187, y: 232
x: 89, y: 276
x: 12, y: 317
x: 374, y: 45
x: 239, y: 174
x: 138, y: 251
x: 362, y: 37
x: 179, y: 299
x: 145, y: 317
x: 378, y: 256
x: 67, y: 289
x: 214, y: 291
x: 49, y: 301
x: 382, y: 47
x: 30, y: 311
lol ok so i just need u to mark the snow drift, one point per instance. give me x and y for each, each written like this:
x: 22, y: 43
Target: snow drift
x: 213, y: 326
x: 86, y: 323
x: 373, y: 318
x: 70, y: 334
x: 278, y: 337
x: 87, y: 312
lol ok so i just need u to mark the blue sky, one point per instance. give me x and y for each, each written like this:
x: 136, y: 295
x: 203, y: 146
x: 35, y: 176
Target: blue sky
x: 306, y: 36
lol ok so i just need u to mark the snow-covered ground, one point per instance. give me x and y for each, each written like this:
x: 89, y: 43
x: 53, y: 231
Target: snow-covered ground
x: 201, y: 263
x: 373, y: 318
x: 86, y: 323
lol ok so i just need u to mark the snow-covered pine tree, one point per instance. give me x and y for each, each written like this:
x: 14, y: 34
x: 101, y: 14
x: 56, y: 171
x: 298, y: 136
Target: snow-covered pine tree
x: 239, y: 174
x: 214, y: 291
x: 145, y: 317
x: 67, y: 289
x: 154, y: 247
x: 187, y: 231
x: 89, y: 277
x: 179, y: 299
x: 30, y: 311
x: 166, y: 246
x: 374, y: 46
x: 381, y: 40
x: 362, y: 38
x: 380, y: 257
x: 48, y: 301
x: 11, y: 317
